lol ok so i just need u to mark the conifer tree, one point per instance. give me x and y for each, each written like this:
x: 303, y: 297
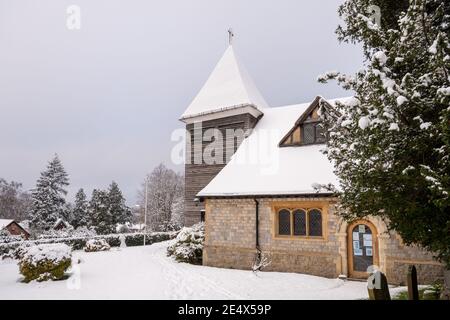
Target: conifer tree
x: 391, y: 143
x: 99, y: 214
x: 48, y: 198
x: 119, y: 211
x: 80, y: 217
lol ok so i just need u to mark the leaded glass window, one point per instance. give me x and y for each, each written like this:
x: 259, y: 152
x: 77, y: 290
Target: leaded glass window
x: 308, y: 133
x: 315, y: 223
x: 305, y: 223
x: 284, y: 222
x: 299, y: 223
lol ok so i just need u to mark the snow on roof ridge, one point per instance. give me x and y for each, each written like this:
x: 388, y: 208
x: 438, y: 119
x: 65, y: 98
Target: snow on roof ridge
x: 59, y: 220
x: 309, y: 102
x: 229, y: 85
x: 220, y: 110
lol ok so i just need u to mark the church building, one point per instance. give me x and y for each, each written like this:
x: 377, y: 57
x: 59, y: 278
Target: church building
x: 263, y: 197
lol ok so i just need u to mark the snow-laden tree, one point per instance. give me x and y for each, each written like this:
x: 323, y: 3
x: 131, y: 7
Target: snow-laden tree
x: 67, y: 214
x: 165, y: 187
x: 80, y: 216
x: 177, y: 219
x: 14, y: 202
x: 118, y: 209
x: 390, y: 143
x: 100, y: 217
x: 48, y: 198
x: 106, y: 209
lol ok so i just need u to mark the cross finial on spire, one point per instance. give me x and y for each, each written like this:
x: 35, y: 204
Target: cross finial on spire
x: 230, y: 36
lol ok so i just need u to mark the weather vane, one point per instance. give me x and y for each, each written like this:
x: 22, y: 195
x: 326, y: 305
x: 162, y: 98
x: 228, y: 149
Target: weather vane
x: 230, y: 36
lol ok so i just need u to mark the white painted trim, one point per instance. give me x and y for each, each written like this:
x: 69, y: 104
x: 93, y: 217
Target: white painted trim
x: 223, y: 112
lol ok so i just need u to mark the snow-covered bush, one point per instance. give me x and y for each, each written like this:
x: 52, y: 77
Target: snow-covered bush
x: 45, y: 262
x: 79, y: 242
x: 95, y: 245
x: 84, y: 232
x: 188, y: 245
x: 81, y: 232
x: 122, y: 228
x: 15, y: 252
x: 21, y: 250
x: 6, y: 237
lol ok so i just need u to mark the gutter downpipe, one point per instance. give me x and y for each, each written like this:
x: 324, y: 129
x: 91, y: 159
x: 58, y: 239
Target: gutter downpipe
x: 258, y: 249
x: 257, y: 223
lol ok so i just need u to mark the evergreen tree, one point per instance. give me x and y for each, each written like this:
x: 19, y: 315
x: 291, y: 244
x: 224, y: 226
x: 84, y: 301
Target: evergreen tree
x: 80, y: 217
x: 390, y: 143
x: 48, y: 198
x: 118, y: 209
x: 67, y: 214
x: 100, y: 217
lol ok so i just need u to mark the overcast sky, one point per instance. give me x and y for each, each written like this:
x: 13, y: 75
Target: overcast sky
x: 107, y: 97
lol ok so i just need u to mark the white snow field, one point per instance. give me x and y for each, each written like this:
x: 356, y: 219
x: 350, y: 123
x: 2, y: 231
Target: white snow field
x: 146, y: 273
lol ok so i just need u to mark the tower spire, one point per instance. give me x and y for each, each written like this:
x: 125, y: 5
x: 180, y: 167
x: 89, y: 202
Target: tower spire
x: 230, y: 36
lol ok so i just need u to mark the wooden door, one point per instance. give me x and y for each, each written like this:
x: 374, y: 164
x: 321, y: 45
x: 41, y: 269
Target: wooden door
x: 362, y: 248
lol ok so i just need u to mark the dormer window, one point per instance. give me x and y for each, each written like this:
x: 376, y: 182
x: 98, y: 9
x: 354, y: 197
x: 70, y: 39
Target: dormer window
x: 312, y: 133
x: 307, y: 130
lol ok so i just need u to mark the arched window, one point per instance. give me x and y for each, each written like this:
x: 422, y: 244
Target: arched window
x: 299, y: 222
x: 315, y: 223
x: 284, y: 222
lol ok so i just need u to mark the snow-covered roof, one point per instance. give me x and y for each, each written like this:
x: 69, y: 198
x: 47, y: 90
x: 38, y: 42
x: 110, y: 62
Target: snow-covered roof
x: 261, y: 167
x: 228, y: 87
x: 5, y: 222
x: 59, y: 221
x: 25, y: 224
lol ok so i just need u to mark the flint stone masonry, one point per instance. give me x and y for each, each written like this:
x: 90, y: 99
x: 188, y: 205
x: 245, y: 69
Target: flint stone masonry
x: 230, y: 242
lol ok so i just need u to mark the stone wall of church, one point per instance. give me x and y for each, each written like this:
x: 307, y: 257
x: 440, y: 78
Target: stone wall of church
x: 231, y: 242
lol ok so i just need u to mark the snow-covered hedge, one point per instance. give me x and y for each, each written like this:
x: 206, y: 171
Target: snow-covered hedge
x: 45, y: 262
x: 6, y: 237
x: 78, y: 243
x: 81, y: 232
x: 188, y: 245
x: 95, y: 245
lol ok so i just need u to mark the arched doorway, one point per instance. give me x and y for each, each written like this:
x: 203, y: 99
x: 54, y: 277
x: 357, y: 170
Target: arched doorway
x: 362, y: 248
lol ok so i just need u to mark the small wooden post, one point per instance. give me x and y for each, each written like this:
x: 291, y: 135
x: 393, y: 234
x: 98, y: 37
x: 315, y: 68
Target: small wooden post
x: 413, y: 289
x: 378, y: 286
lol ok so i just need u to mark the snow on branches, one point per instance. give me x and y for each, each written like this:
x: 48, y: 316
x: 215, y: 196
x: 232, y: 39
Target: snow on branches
x: 391, y: 144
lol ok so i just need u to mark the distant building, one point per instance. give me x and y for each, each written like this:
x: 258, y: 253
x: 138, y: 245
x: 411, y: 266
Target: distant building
x: 61, y: 224
x: 13, y: 228
x: 130, y: 228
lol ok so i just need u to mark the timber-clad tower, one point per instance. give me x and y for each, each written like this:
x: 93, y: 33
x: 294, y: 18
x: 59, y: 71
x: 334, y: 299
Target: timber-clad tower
x: 228, y: 100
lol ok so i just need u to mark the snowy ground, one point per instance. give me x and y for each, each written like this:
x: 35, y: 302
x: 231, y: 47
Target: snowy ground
x: 146, y: 273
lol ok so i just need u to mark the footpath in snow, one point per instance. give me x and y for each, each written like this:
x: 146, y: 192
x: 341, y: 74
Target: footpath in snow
x: 146, y: 273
